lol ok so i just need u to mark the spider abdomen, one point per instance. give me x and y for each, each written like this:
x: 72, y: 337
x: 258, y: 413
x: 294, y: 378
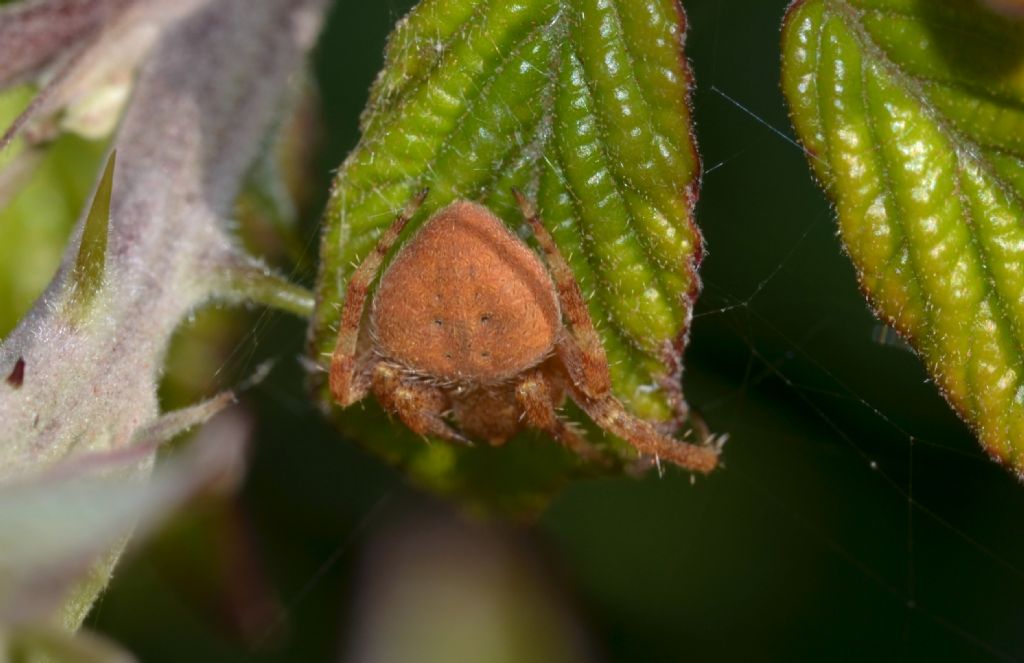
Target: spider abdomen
x: 466, y: 300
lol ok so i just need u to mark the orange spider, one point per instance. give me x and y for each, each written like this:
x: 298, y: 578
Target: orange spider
x: 467, y: 327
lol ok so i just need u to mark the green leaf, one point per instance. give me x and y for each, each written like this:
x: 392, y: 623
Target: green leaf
x: 912, y: 112
x: 583, y: 104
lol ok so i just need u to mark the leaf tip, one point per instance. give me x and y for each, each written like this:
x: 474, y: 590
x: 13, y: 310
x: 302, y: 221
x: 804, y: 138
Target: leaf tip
x: 90, y: 264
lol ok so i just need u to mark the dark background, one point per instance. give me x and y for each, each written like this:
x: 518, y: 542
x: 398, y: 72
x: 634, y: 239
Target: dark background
x: 856, y: 517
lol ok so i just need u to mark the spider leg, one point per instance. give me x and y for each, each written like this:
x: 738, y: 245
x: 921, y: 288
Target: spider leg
x: 420, y: 406
x: 347, y: 385
x: 534, y: 396
x: 610, y: 414
x: 584, y: 359
x: 584, y: 356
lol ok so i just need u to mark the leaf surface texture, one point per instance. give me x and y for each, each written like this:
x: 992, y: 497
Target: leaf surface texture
x: 583, y: 104
x: 912, y: 113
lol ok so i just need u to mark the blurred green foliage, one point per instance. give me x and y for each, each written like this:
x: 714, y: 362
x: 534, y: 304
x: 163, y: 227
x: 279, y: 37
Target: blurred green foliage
x: 53, y: 184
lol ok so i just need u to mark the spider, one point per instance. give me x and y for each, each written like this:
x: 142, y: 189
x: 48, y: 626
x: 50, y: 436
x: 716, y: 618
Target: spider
x: 467, y: 327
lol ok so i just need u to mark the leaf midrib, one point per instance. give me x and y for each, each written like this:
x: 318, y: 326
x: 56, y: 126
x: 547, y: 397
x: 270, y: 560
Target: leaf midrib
x: 472, y: 100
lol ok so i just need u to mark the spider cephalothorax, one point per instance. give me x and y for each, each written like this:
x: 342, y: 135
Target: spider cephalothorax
x: 470, y: 337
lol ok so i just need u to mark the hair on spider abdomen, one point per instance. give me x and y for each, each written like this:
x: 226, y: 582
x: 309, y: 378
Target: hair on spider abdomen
x: 467, y: 324
x: 464, y: 267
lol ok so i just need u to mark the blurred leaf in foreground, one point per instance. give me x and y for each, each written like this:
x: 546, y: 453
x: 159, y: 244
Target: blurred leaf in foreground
x: 434, y: 589
x: 57, y: 524
x: 912, y: 113
x: 62, y: 530
x: 583, y: 104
